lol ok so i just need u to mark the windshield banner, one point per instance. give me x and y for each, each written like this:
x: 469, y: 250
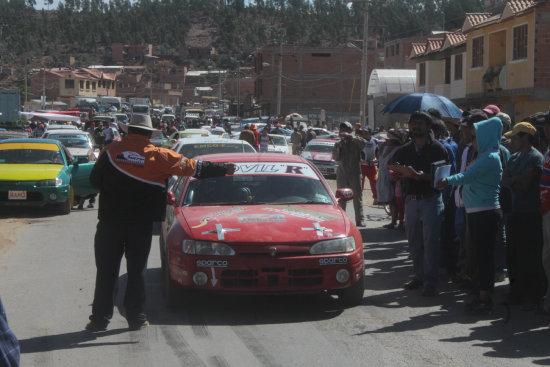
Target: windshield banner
x: 276, y: 168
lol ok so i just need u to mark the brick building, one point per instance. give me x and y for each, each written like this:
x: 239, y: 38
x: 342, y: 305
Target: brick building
x: 397, y: 53
x: 313, y: 78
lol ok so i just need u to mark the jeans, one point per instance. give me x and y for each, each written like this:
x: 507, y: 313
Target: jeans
x: 112, y: 240
x: 423, y: 221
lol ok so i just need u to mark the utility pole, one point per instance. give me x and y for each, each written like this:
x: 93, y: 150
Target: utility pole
x: 280, y: 78
x: 26, y: 79
x: 219, y: 88
x: 43, y: 87
x: 239, y: 91
x: 364, y: 64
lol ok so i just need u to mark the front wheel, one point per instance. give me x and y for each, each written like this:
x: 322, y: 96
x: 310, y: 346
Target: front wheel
x: 64, y: 208
x: 353, y: 296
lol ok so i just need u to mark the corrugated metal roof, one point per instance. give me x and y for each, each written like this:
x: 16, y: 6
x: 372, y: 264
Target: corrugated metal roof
x: 394, y: 81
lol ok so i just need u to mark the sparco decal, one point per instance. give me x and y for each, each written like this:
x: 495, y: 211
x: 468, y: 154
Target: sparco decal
x: 212, y: 263
x: 333, y: 260
x: 130, y: 157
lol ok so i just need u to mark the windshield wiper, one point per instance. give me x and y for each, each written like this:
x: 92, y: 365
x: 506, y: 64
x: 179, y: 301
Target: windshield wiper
x: 244, y: 202
x: 302, y: 202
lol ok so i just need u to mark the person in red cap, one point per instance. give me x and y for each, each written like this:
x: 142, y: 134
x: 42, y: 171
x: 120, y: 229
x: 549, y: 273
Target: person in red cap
x: 491, y: 110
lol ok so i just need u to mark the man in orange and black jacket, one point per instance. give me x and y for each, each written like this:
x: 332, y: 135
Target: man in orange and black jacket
x: 132, y: 178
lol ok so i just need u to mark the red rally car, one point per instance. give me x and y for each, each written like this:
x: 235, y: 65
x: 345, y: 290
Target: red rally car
x: 272, y: 227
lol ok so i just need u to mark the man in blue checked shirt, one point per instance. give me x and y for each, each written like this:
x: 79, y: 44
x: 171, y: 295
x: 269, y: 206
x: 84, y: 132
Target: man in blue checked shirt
x: 9, y: 346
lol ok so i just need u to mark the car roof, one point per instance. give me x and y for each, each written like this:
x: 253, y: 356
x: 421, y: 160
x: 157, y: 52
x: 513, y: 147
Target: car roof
x: 213, y: 139
x: 252, y: 157
x: 322, y: 141
x: 30, y: 140
x: 68, y: 132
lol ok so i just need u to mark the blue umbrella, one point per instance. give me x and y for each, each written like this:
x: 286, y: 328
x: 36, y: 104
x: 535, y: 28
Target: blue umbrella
x: 409, y: 103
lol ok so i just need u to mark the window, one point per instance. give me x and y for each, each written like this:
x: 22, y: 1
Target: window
x: 81, y: 84
x: 387, y: 51
x: 397, y: 49
x: 392, y: 51
x: 69, y: 84
x: 520, y: 42
x: 448, y: 70
x: 93, y: 85
x: 87, y: 85
x: 458, y: 67
x: 477, y: 52
x: 422, y: 72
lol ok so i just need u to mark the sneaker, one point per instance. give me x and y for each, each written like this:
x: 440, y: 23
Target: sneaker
x: 429, y: 291
x: 90, y: 206
x: 413, y: 284
x: 360, y: 224
x: 389, y: 226
x: 95, y: 326
x: 138, y: 324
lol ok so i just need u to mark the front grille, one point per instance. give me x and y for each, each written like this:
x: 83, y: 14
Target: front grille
x: 271, y: 277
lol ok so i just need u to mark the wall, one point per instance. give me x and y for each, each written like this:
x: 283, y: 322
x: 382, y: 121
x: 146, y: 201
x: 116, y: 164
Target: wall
x: 542, y: 46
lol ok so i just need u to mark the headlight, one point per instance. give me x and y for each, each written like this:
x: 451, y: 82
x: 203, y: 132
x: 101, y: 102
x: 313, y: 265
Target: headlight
x: 192, y: 247
x: 339, y: 245
x: 306, y: 155
x: 54, y: 182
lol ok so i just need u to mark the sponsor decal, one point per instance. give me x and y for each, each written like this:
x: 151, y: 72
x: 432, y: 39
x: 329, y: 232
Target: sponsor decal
x: 301, y: 213
x: 209, y: 217
x: 267, y: 168
x: 131, y: 158
x: 326, y: 157
x: 333, y: 261
x: 261, y: 218
x: 322, y: 143
x: 212, y: 263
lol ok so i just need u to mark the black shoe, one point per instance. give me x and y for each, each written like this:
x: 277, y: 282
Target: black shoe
x: 429, y: 291
x: 478, y: 307
x: 90, y: 206
x: 360, y: 224
x: 138, y: 324
x: 389, y: 226
x: 413, y: 284
x: 95, y: 326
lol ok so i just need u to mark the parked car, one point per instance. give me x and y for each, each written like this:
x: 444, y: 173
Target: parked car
x: 280, y: 144
x: 5, y: 134
x: 158, y: 139
x: 38, y: 172
x: 193, y: 147
x: 319, y: 152
x: 188, y: 133
x: 79, y: 143
x: 274, y: 226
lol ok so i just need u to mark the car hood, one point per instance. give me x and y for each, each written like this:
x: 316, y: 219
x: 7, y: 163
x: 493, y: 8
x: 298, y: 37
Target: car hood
x: 29, y: 172
x: 266, y: 223
x: 319, y: 156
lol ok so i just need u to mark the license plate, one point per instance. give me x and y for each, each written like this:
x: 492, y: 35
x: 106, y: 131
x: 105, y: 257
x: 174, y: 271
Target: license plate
x: 17, y: 195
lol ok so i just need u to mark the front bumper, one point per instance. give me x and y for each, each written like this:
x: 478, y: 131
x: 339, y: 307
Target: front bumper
x: 35, y: 195
x: 264, y: 274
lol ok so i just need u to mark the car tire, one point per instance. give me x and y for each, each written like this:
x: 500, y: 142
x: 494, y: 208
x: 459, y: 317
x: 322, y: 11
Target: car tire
x: 353, y: 296
x: 64, y: 208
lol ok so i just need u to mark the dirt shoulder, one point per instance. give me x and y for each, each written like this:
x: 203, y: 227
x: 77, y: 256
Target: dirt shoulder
x: 8, y: 232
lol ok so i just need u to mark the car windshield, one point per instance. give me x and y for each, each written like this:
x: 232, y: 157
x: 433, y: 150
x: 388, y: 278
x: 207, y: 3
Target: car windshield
x: 25, y: 154
x: 157, y: 135
x: 193, y: 150
x: 217, y: 132
x: 72, y: 141
x: 258, y: 188
x: 320, y: 148
x: 192, y: 135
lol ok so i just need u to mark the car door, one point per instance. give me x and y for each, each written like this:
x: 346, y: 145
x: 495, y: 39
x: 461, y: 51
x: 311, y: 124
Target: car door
x: 80, y: 171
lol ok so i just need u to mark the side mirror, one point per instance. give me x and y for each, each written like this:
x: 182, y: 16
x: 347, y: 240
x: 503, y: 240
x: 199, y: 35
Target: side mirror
x: 343, y: 195
x: 170, y: 198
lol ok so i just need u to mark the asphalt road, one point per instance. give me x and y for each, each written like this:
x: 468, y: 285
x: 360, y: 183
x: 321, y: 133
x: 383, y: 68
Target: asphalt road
x: 47, y: 283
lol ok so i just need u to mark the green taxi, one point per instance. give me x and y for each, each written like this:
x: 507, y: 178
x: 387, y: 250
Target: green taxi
x: 37, y: 172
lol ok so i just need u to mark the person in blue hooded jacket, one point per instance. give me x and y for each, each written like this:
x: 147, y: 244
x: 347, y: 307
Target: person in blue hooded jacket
x: 480, y: 192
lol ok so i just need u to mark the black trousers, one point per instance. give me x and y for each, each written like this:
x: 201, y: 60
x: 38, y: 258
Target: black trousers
x: 112, y: 240
x: 483, y: 235
x: 527, y: 280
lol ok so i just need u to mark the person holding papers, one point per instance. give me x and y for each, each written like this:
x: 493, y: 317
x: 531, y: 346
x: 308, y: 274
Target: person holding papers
x: 480, y: 192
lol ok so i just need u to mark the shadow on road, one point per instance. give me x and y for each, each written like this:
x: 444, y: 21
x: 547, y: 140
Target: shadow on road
x: 78, y: 339
x: 28, y: 212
